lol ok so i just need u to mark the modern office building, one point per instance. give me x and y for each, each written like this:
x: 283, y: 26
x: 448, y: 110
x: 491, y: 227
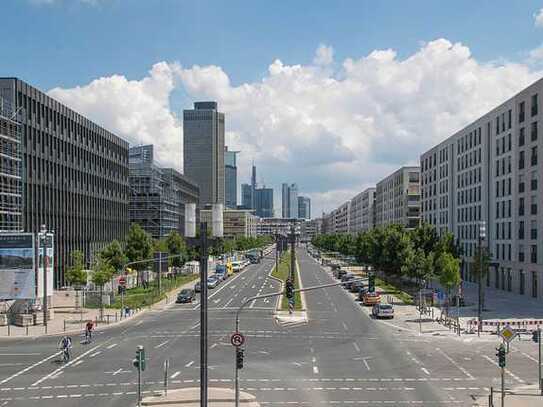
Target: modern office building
x: 361, y: 216
x: 489, y: 172
x: 272, y: 226
x: 289, y: 199
x: 397, y: 198
x: 203, y: 151
x: 236, y: 223
x: 74, y: 175
x: 230, y: 178
x: 11, y: 182
x: 310, y: 229
x: 158, y: 195
x: 246, y: 196
x: 304, y: 207
x: 264, y: 202
x: 253, y: 187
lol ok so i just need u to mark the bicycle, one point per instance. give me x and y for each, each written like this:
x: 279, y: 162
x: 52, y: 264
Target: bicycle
x: 66, y: 355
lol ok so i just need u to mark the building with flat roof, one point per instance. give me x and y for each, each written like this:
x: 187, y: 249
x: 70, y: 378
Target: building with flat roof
x: 272, y: 226
x: 158, y: 195
x: 289, y: 201
x: 397, y: 198
x: 236, y: 223
x: 264, y: 202
x: 489, y: 172
x: 361, y: 216
x: 203, y: 151
x: 74, y: 175
x: 304, y: 207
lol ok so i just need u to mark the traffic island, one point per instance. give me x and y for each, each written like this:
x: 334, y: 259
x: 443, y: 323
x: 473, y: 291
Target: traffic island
x: 190, y: 397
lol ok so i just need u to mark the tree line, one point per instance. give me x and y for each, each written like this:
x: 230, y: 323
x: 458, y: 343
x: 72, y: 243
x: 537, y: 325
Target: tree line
x: 419, y: 254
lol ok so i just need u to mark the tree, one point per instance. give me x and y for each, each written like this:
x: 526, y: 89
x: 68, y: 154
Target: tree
x: 139, y: 246
x: 229, y: 245
x: 102, y: 272
x: 396, y: 245
x: 114, y: 254
x: 481, y: 257
x: 175, y: 245
x: 449, y: 273
x: 424, y: 237
x: 75, y: 275
x: 418, y: 265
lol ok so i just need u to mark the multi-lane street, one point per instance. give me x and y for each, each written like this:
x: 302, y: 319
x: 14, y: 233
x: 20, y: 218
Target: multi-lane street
x: 340, y: 357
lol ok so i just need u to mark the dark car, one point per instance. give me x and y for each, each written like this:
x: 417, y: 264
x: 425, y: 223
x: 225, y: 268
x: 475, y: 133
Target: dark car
x: 356, y: 286
x: 197, y: 287
x: 346, y: 280
x: 340, y: 273
x: 185, y: 295
x: 362, y: 292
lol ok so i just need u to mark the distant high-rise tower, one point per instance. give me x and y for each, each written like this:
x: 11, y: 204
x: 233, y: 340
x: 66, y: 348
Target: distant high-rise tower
x: 289, y: 200
x: 264, y: 202
x: 253, y: 187
x: 203, y: 150
x: 304, y: 207
x: 230, y: 178
x: 246, y: 196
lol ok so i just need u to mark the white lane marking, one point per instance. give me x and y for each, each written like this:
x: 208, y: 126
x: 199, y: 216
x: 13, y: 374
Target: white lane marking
x: 462, y: 369
x: 213, y: 346
x: 162, y: 344
x: 175, y: 375
x: 345, y: 326
x: 514, y: 376
x: 233, y: 286
x: 229, y: 301
x: 112, y: 346
x: 78, y: 362
x: 315, y: 370
x: 95, y: 354
x: 215, y: 292
x: 425, y: 370
x: 66, y: 365
x: 139, y: 323
x: 26, y: 369
x: 357, y: 348
x: 190, y: 363
x: 366, y: 364
x: 217, y: 300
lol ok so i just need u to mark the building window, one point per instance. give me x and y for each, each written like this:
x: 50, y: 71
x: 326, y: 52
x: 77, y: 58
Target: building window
x: 521, y: 230
x: 533, y: 254
x: 521, y: 108
x: 533, y: 230
x: 534, y: 156
x: 521, y: 206
x: 533, y: 132
x: 533, y: 185
x: 533, y: 206
x: 521, y: 137
x: 534, y: 284
x: 534, y: 105
x: 521, y: 160
x: 509, y: 280
x: 522, y: 282
x: 521, y: 253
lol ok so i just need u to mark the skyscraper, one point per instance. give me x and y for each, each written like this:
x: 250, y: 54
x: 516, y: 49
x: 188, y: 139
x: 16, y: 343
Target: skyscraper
x: 304, y: 207
x: 230, y: 178
x: 203, y: 150
x: 253, y: 187
x: 264, y: 202
x: 289, y: 200
x: 246, y: 196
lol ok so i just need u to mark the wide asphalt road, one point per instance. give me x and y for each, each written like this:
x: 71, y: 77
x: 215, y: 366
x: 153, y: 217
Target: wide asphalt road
x: 340, y: 357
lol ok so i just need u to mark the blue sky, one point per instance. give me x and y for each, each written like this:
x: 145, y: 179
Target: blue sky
x: 476, y: 53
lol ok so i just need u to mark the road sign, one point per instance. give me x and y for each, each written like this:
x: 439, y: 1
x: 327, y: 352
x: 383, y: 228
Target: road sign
x: 122, y: 281
x: 508, y: 333
x: 237, y: 339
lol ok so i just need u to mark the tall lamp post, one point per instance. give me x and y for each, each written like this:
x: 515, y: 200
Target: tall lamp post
x: 45, y: 239
x: 190, y: 231
x: 482, y: 237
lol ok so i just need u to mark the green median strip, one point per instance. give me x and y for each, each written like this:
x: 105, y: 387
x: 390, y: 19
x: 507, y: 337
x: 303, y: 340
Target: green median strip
x: 390, y: 289
x: 282, y: 273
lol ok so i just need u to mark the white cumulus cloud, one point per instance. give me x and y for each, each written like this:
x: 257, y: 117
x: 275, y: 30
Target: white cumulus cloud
x: 538, y: 18
x: 332, y: 129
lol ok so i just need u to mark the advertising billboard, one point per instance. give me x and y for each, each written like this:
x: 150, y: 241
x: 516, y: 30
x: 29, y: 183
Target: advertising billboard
x: 17, y: 261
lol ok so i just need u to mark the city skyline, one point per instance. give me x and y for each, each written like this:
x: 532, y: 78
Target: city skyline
x: 347, y: 148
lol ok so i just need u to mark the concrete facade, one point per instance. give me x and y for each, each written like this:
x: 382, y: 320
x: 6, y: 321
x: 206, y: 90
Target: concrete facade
x: 489, y: 171
x: 203, y: 150
x: 237, y: 223
x: 397, y: 198
x: 74, y: 175
x: 361, y: 216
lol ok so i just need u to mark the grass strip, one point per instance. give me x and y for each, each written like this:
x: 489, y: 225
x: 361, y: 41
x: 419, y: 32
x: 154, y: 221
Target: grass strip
x: 390, y: 289
x: 282, y: 273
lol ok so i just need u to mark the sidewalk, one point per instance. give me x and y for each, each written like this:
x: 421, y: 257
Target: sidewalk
x: 529, y: 398
x: 70, y: 320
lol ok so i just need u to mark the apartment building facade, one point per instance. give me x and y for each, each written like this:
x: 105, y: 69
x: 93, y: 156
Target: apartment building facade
x: 361, y: 216
x: 397, y: 198
x: 489, y: 172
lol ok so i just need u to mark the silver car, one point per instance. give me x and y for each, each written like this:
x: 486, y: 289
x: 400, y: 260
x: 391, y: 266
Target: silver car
x: 383, y: 311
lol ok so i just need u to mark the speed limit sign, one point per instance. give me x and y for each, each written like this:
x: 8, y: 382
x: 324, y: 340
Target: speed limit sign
x: 237, y: 339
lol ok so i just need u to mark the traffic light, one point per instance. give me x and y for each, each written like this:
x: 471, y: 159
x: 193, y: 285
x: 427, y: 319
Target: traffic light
x: 371, y: 283
x: 536, y: 336
x: 289, y: 289
x: 500, y: 353
x: 139, y: 361
x: 239, y: 358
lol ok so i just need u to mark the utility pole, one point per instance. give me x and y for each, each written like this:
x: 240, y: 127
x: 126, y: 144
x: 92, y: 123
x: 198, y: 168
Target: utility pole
x: 203, y: 314
x: 482, y: 236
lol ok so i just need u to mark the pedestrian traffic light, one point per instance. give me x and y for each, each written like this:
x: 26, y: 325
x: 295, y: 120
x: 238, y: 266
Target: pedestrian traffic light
x: 139, y: 361
x: 500, y: 353
x: 239, y: 358
x: 536, y: 336
x: 289, y: 289
x: 371, y: 283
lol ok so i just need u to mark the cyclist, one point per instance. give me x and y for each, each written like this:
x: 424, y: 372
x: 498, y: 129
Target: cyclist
x: 88, y: 331
x: 65, y: 344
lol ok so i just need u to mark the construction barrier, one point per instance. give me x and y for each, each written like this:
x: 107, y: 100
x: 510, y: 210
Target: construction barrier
x: 496, y: 324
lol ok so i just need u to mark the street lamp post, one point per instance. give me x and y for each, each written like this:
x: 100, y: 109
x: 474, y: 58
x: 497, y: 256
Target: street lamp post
x: 43, y: 243
x: 482, y: 236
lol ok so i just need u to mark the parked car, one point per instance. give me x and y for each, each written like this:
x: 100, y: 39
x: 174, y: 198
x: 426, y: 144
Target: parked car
x: 371, y: 298
x: 345, y: 279
x: 185, y: 295
x: 356, y: 286
x: 383, y: 311
x: 197, y: 287
x: 340, y: 273
x: 362, y: 292
x: 212, y: 282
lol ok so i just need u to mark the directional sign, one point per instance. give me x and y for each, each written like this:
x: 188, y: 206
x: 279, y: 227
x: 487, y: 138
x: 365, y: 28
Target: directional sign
x: 237, y: 339
x: 508, y: 333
